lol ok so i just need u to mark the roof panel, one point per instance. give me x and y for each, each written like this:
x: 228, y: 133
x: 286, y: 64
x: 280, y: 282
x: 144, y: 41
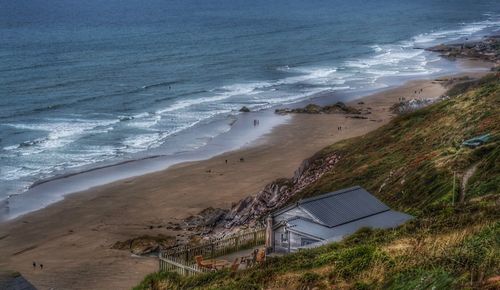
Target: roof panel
x: 310, y: 228
x: 344, y: 206
x: 383, y: 220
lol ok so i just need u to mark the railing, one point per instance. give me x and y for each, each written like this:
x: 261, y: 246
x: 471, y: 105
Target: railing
x: 173, y: 265
x: 181, y: 259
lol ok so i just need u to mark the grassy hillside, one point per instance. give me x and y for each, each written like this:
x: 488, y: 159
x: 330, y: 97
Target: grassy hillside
x: 409, y: 164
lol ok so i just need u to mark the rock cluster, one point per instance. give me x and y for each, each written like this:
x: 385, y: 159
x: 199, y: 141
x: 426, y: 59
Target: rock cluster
x: 412, y: 105
x: 207, y: 218
x: 486, y: 49
x: 337, y: 108
x: 277, y: 193
x: 250, y: 211
x: 146, y: 244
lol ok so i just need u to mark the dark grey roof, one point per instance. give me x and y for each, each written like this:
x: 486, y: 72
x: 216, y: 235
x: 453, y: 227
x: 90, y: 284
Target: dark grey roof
x: 343, y: 206
x: 383, y: 220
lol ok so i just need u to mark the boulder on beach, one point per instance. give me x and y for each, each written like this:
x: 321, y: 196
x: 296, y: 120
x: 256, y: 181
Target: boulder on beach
x: 311, y: 109
x: 206, y: 218
x: 244, y: 109
x: 338, y: 107
x: 146, y: 244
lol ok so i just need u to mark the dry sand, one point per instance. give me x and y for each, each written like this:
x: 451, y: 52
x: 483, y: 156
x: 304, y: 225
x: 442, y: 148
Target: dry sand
x: 72, y: 238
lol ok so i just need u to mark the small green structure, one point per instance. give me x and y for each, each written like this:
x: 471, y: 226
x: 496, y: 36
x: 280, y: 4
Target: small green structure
x: 477, y: 141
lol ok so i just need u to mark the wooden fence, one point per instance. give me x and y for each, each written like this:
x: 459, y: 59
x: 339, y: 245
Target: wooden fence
x: 181, y: 259
x: 174, y: 265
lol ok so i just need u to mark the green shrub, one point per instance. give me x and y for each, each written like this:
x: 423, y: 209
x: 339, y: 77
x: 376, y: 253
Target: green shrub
x: 479, y: 254
x: 205, y: 279
x: 358, y: 285
x: 351, y: 261
x: 152, y: 281
x: 309, y: 279
x: 361, y: 235
x: 421, y: 279
x: 486, y: 180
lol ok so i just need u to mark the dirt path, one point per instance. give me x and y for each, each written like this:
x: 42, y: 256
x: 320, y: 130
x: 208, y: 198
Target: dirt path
x: 465, y: 179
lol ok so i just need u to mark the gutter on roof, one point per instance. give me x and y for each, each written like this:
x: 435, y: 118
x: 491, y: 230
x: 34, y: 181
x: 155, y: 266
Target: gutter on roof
x: 281, y: 223
x: 282, y: 210
x: 284, y: 222
x: 304, y: 234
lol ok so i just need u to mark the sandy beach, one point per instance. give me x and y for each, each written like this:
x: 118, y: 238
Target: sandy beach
x: 73, y: 238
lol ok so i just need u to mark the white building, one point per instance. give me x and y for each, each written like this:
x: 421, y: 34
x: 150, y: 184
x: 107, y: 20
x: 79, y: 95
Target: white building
x: 327, y: 218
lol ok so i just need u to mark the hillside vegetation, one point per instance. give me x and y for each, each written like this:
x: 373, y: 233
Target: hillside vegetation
x: 410, y: 164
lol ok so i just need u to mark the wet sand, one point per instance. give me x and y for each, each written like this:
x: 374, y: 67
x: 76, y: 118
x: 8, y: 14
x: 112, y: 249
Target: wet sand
x: 72, y: 238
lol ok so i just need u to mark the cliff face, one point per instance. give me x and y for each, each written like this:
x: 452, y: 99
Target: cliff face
x: 251, y: 211
x: 276, y: 194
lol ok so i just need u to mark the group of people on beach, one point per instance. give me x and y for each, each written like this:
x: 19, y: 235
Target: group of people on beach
x: 417, y: 92
x: 241, y: 160
x: 34, y: 266
x: 256, y: 122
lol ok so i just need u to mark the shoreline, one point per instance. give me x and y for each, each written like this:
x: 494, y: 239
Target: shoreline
x: 44, y: 192
x: 85, y: 224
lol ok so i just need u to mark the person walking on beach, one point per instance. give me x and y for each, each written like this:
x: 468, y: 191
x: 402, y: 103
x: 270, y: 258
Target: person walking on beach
x: 34, y: 265
x: 41, y: 266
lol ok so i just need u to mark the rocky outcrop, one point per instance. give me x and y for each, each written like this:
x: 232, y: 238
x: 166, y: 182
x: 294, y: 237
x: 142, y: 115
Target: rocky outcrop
x: 208, y: 217
x: 486, y: 49
x: 245, y: 109
x: 337, y: 108
x: 278, y: 193
x: 250, y: 211
x: 146, y: 244
x: 411, y: 105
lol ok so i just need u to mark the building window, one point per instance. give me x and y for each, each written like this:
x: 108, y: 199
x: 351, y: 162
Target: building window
x: 306, y: 241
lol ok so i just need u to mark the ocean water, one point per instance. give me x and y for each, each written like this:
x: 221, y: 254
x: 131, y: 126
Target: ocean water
x: 87, y: 83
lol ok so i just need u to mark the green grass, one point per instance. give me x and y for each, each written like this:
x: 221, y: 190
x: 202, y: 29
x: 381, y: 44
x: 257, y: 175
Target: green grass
x: 409, y: 164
